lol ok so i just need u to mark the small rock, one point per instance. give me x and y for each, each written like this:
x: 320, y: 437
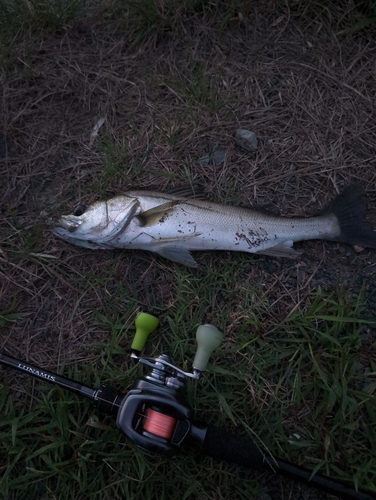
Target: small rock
x: 21, y: 322
x: 148, y: 279
x: 365, y: 338
x: 246, y: 139
x: 219, y: 157
x: 301, y: 275
x: 358, y: 248
x: 360, y: 368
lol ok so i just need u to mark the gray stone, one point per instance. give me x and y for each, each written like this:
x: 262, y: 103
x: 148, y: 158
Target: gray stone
x: 219, y: 157
x: 246, y: 139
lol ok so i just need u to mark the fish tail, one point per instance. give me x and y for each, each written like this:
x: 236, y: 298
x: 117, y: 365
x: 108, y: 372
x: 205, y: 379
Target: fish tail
x: 349, y: 208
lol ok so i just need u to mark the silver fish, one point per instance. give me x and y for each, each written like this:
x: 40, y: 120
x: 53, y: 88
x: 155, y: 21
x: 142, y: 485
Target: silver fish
x: 173, y: 226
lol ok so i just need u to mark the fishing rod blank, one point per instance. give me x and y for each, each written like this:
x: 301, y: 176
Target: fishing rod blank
x: 107, y: 399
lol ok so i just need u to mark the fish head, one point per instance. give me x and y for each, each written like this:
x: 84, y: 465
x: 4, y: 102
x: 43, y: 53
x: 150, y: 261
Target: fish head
x: 94, y: 226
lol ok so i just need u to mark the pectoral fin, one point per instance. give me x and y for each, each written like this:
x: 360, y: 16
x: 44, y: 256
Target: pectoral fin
x: 157, y: 214
x: 283, y: 249
x: 174, y: 249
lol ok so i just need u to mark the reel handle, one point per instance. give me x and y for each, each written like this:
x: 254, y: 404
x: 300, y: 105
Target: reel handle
x: 145, y: 323
x: 208, y: 338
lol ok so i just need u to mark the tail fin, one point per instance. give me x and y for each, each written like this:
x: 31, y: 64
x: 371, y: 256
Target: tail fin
x: 349, y: 207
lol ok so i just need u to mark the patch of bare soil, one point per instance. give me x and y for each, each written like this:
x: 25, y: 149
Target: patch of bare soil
x: 281, y: 70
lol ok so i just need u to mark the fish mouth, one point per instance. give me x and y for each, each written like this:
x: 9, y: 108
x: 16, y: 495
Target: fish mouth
x: 69, y: 223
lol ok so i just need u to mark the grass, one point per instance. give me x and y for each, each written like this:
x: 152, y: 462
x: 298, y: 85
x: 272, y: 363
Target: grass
x: 198, y: 87
x: 43, y: 15
x: 159, y: 20
x: 366, y: 18
x: 30, y: 20
x: 168, y: 81
x: 10, y: 315
x: 299, y: 377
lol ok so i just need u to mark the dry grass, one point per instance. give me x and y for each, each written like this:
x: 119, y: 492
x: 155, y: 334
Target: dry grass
x: 167, y: 93
x: 280, y: 71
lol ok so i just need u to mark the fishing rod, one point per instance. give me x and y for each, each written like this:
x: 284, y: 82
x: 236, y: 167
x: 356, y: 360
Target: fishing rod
x: 156, y: 417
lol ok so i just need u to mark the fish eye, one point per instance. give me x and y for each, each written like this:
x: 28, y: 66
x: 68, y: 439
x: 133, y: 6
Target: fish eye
x: 80, y: 210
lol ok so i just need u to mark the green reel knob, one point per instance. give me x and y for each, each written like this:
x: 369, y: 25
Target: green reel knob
x: 145, y: 324
x: 208, y: 338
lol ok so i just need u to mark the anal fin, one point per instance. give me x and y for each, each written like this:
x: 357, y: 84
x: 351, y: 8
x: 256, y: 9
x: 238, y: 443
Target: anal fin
x: 284, y: 249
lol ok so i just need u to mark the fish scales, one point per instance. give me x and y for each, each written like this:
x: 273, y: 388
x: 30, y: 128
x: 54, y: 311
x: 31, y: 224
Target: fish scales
x: 173, y: 226
x: 223, y: 227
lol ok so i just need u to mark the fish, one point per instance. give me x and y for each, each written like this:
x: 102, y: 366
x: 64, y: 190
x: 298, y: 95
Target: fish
x: 174, y: 225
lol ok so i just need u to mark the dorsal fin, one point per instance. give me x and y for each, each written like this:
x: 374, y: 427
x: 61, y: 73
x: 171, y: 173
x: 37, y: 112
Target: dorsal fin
x: 194, y: 190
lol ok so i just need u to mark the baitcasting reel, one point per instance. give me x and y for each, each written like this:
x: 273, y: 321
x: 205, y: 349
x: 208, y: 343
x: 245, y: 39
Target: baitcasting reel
x: 155, y: 416
x: 154, y: 413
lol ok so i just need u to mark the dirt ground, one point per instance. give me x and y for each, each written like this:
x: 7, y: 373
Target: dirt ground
x: 292, y: 72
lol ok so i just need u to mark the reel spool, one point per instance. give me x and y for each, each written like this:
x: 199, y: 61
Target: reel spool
x: 159, y: 424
